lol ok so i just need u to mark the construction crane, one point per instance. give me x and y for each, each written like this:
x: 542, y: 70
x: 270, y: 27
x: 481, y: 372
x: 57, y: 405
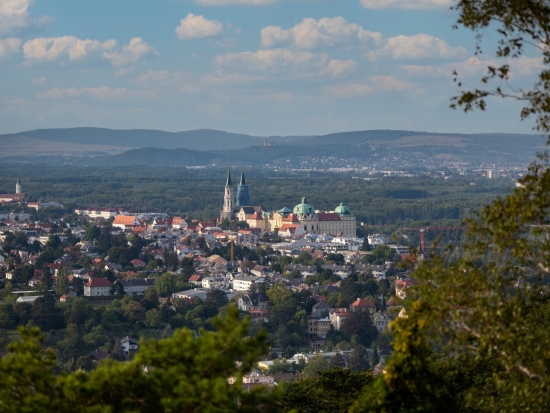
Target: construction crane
x: 424, y: 229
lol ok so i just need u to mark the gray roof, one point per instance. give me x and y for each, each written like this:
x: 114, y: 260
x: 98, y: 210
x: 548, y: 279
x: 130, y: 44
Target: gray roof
x: 138, y: 283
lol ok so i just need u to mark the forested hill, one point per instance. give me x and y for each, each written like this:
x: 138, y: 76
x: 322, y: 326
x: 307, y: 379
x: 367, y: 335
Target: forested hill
x: 207, y: 147
x: 201, y: 139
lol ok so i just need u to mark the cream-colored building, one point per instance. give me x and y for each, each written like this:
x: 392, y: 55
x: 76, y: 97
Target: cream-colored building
x: 338, y: 222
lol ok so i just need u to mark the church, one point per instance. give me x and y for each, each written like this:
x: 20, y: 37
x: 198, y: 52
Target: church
x: 302, y: 219
x: 19, y: 196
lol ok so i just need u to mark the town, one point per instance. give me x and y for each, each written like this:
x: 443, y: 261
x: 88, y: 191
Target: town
x: 102, y: 283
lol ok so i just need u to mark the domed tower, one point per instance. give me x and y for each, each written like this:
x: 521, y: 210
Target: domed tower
x: 18, y: 187
x: 347, y: 220
x: 228, y: 203
x: 307, y: 216
x: 243, y: 196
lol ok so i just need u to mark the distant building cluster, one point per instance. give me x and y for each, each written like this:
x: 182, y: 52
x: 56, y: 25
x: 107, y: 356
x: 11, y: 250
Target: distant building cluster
x: 301, y: 220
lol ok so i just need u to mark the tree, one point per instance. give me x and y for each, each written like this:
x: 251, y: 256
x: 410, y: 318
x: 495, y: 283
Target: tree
x: 153, y: 318
x: 359, y: 324
x: 134, y: 312
x: 337, y: 361
x: 84, y: 363
x: 150, y: 299
x: 331, y: 391
x: 375, y: 359
x: 165, y: 284
x: 62, y: 281
x: 43, y: 312
x: 282, y: 305
x: 359, y: 358
x: 215, y: 299
x: 92, y: 232
x: 78, y: 286
x: 118, y: 288
x: 366, y: 245
x: 518, y: 24
x: 187, y: 372
x: 315, y: 365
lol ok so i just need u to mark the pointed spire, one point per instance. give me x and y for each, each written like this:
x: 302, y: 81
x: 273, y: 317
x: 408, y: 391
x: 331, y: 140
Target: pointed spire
x: 17, y: 181
x: 243, y: 182
x: 228, y: 183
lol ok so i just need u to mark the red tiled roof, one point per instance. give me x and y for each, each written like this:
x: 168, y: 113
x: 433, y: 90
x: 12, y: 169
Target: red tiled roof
x: 99, y: 282
x: 362, y: 302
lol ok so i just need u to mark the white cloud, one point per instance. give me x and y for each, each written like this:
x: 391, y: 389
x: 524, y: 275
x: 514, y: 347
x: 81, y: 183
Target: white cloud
x: 14, y: 16
x: 349, y: 90
x: 406, y: 4
x: 38, y: 80
x: 476, y: 67
x: 131, y: 53
x: 49, y: 49
x: 388, y: 83
x: 327, y: 32
x: 275, y: 60
x: 337, y: 68
x: 419, y: 46
x: 378, y: 83
x: 293, y: 62
x: 99, y: 93
x: 234, y: 2
x: 198, y: 27
x: 9, y: 46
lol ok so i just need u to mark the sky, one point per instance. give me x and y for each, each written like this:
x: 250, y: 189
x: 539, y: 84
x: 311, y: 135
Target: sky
x: 261, y: 67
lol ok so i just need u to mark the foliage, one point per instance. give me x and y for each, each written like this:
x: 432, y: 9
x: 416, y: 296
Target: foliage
x: 331, y: 391
x: 186, y: 373
x: 359, y: 358
x: 520, y: 25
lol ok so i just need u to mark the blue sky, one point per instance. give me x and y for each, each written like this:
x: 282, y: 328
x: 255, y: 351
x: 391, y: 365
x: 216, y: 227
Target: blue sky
x: 263, y: 67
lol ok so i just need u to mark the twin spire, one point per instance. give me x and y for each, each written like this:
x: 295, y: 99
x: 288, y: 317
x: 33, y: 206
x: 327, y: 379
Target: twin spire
x: 230, y: 183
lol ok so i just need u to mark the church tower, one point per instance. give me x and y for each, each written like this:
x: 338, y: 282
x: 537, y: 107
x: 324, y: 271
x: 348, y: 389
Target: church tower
x: 18, y: 187
x: 228, y: 202
x: 243, y: 196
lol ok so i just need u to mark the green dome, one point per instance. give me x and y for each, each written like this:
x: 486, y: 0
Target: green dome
x: 304, y: 208
x: 342, y: 209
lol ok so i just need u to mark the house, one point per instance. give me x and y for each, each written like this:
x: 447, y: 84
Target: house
x: 337, y: 317
x: 98, y: 287
x: 122, y: 221
x: 381, y: 321
x: 318, y: 327
x: 196, y: 279
x: 362, y: 304
x: 98, y: 355
x: 305, y: 270
x: 343, y: 271
x: 253, y: 301
x: 27, y: 299
x: 245, y: 283
x: 137, y: 286
x: 378, y: 271
x: 321, y: 309
x: 219, y: 283
x: 129, y: 345
x: 259, y: 315
x: 191, y: 294
x: 291, y: 231
x: 401, y: 287
x: 137, y: 263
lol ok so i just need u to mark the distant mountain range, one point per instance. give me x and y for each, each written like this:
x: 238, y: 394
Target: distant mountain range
x: 100, y: 146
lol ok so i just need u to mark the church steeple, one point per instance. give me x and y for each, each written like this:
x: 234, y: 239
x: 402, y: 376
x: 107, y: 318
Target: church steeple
x: 228, y: 200
x: 18, y: 187
x: 243, y: 196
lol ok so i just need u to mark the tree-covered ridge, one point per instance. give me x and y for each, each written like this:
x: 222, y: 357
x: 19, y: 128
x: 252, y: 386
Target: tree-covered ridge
x: 199, y: 194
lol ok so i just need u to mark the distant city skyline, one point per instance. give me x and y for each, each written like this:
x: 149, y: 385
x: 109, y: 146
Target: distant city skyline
x: 261, y: 67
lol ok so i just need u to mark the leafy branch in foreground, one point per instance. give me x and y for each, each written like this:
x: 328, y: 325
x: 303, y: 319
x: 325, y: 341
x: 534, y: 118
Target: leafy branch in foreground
x: 476, y: 336
x: 520, y: 24
x: 185, y: 373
